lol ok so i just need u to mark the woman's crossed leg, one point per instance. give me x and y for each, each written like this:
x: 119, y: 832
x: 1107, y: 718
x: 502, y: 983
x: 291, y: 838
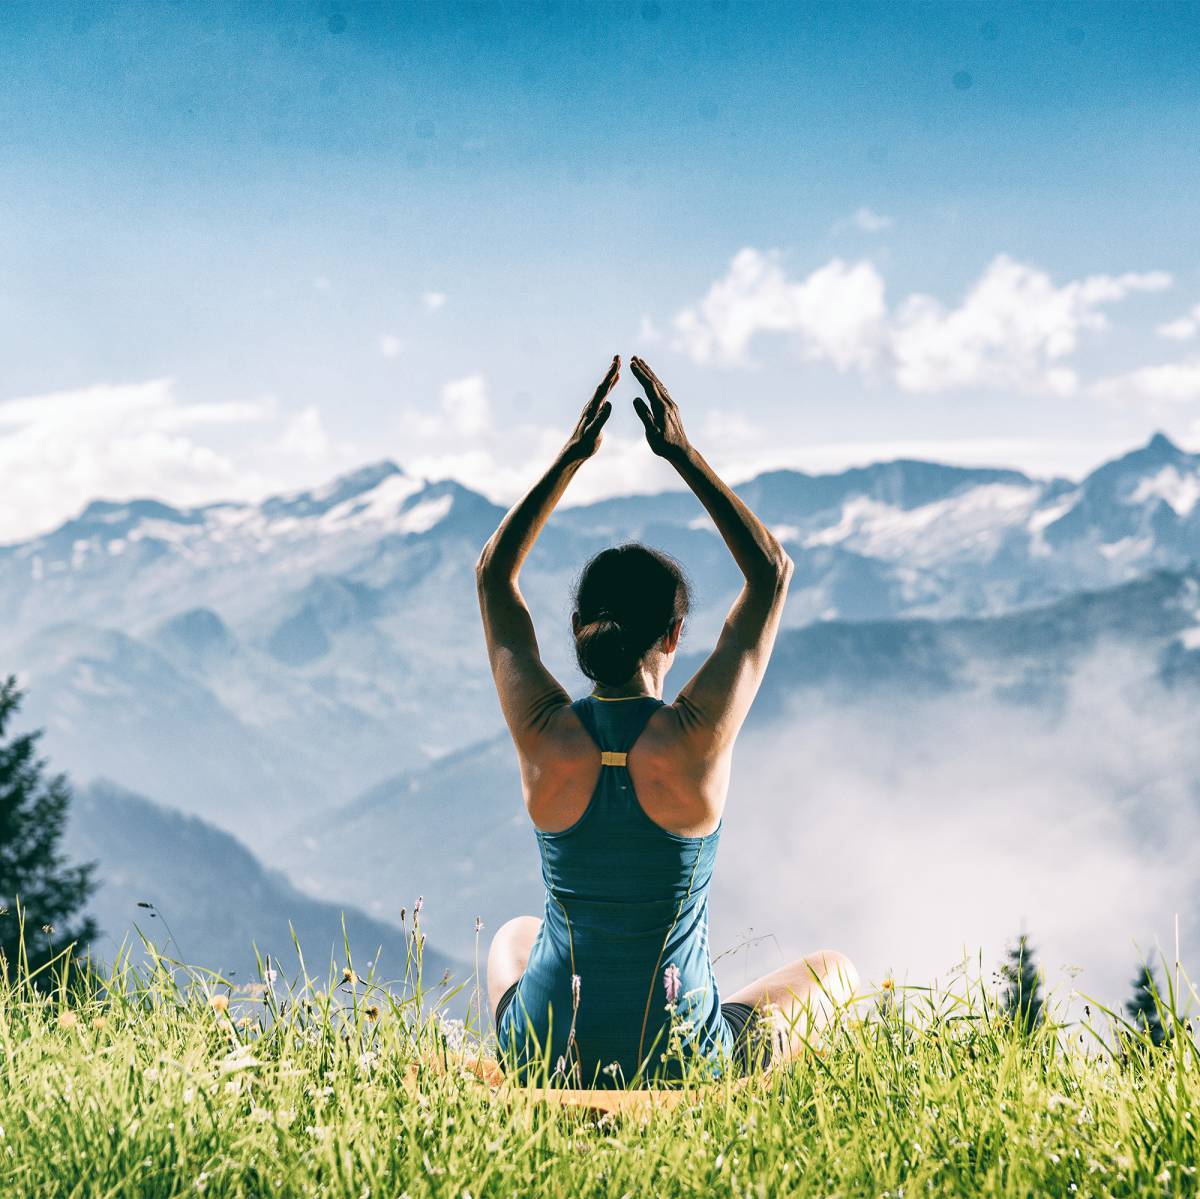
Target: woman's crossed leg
x: 800, y: 999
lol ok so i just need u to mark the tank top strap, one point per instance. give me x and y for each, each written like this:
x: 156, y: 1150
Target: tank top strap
x: 615, y: 724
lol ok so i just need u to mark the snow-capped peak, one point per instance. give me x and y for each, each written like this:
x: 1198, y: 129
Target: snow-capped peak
x: 344, y: 488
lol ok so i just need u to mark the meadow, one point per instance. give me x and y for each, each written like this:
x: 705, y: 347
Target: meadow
x: 161, y: 1080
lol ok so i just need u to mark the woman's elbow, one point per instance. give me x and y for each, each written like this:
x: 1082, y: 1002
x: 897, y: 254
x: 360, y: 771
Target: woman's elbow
x: 773, y: 574
x: 780, y: 565
x: 483, y: 562
x: 489, y: 572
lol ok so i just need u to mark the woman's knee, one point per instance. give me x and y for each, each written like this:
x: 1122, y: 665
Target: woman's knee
x: 834, y: 971
x: 517, y: 930
x: 510, y: 946
x: 509, y: 953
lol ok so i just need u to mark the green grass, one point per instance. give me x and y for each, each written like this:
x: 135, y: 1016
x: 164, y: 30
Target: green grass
x: 135, y: 1084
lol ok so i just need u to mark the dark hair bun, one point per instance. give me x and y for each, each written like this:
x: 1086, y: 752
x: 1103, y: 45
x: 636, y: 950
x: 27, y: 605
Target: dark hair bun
x: 625, y: 599
x: 605, y: 653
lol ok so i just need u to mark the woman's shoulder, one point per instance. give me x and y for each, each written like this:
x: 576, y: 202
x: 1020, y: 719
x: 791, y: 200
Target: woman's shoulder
x: 566, y: 735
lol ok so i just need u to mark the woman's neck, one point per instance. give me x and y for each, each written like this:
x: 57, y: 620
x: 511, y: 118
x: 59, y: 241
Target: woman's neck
x: 644, y: 684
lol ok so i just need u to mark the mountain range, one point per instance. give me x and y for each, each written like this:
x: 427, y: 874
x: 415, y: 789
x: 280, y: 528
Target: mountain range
x: 307, y: 673
x: 328, y: 638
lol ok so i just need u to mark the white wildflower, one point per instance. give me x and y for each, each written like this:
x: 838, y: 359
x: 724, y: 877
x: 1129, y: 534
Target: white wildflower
x: 455, y: 1031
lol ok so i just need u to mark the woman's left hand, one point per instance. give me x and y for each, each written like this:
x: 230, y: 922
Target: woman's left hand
x: 586, y: 438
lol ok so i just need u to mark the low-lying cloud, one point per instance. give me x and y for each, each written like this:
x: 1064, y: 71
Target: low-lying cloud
x: 910, y: 833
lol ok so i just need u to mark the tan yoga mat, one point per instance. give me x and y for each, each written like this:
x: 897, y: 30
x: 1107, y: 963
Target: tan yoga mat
x: 631, y: 1102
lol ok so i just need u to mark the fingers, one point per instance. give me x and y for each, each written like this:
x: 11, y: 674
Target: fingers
x: 602, y: 414
x: 641, y: 368
x: 607, y: 383
x: 639, y: 406
x: 654, y: 389
x: 640, y: 372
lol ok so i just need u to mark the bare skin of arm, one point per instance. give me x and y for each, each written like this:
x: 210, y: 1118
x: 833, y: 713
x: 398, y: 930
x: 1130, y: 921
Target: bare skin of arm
x: 532, y: 700
x: 711, y: 707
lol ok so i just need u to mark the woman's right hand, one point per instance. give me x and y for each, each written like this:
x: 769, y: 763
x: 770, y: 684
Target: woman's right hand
x: 664, y: 428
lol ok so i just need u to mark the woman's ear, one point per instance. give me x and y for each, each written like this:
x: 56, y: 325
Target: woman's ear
x: 574, y: 622
x: 671, y: 638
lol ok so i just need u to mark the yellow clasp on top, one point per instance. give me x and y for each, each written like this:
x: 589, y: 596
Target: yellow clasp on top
x: 609, y: 758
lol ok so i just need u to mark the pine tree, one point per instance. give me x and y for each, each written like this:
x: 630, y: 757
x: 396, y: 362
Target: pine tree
x: 34, y: 877
x: 1022, y: 997
x: 1142, y: 1009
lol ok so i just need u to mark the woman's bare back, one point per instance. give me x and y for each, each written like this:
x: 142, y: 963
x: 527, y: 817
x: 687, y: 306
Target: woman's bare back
x: 680, y: 792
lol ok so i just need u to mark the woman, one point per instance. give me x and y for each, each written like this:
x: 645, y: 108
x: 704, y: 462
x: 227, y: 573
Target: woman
x: 614, y: 984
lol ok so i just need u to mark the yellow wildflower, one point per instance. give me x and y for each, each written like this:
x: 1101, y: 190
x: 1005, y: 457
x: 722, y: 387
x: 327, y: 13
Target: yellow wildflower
x: 67, y: 1019
x: 219, y: 1003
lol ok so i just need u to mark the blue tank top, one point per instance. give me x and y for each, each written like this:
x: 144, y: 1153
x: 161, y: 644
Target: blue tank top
x: 625, y: 929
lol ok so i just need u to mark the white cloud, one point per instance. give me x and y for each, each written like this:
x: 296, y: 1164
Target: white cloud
x: 305, y: 436
x: 836, y: 313
x: 479, y: 468
x: 322, y: 283
x: 505, y: 469
x: 1169, y: 382
x: 120, y: 441
x: 865, y: 220
x: 505, y: 462
x: 424, y: 424
x: 1013, y: 329
x: 465, y: 403
x: 59, y: 451
x: 433, y: 300
x: 1184, y: 328
x: 390, y: 345
x: 228, y: 412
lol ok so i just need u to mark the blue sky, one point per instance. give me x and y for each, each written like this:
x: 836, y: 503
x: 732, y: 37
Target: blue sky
x: 243, y: 247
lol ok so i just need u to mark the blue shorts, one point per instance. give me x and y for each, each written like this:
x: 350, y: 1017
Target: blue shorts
x: 753, y: 1035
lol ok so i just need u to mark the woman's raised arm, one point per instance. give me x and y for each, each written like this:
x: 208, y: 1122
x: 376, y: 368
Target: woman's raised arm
x: 528, y: 692
x: 713, y: 704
